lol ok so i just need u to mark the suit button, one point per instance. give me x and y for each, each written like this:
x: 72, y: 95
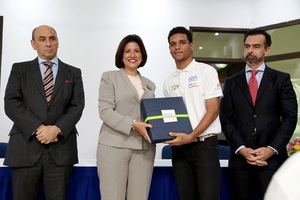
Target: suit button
x: 254, y: 116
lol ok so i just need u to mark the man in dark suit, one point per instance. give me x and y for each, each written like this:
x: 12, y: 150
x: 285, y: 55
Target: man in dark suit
x: 258, y: 116
x: 44, y: 98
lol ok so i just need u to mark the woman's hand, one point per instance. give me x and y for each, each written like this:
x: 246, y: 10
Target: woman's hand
x: 140, y: 127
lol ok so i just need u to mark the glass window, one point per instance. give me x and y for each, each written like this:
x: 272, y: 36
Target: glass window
x: 291, y: 66
x: 218, y: 45
x: 223, y: 48
x: 285, y: 39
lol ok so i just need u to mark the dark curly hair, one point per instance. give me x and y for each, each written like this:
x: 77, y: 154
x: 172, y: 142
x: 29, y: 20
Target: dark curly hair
x: 183, y: 30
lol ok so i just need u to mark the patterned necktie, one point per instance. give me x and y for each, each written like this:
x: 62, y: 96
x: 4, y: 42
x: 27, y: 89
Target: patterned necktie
x: 48, y: 80
x: 253, y: 86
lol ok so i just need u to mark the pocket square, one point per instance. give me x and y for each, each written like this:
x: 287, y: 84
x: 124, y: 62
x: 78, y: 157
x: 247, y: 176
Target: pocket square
x: 68, y: 81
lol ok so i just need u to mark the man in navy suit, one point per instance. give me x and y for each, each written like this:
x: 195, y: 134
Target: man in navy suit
x: 258, y: 116
x: 44, y: 98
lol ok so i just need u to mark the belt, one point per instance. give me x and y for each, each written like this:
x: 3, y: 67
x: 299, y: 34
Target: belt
x: 203, y: 137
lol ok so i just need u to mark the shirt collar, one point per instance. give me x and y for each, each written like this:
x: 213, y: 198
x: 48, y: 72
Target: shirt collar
x: 186, y: 69
x: 54, y: 60
x: 261, y: 68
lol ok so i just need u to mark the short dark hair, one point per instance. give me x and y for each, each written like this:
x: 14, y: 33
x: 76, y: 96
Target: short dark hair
x: 119, y: 54
x: 183, y: 30
x: 268, y: 40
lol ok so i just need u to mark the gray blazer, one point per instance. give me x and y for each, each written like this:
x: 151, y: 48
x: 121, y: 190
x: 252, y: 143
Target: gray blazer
x: 119, y: 105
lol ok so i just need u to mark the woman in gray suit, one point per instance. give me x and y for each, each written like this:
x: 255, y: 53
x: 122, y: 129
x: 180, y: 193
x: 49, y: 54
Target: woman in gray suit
x: 125, y: 155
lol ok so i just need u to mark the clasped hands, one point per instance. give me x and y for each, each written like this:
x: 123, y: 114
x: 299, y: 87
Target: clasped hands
x: 258, y: 156
x: 46, y: 134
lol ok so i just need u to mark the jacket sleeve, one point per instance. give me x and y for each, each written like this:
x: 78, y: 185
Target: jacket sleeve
x: 107, y: 106
x: 15, y: 107
x: 289, y: 110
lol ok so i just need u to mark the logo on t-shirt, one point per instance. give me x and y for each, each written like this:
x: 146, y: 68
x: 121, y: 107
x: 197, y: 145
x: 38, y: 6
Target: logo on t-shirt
x: 192, y: 81
x: 174, y: 87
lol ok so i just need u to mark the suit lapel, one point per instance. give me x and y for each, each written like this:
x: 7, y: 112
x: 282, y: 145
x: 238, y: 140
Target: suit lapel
x: 129, y: 84
x: 145, y: 87
x: 244, y: 87
x: 264, y: 83
x: 36, y: 76
x: 59, y: 80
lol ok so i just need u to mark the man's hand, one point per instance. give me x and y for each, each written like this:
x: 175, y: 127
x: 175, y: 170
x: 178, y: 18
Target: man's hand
x: 249, y: 154
x: 258, y: 156
x: 180, y: 139
x: 47, y: 134
x: 263, y: 153
x: 261, y: 163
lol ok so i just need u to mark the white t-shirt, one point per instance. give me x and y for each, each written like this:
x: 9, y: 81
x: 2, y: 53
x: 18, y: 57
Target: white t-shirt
x: 196, y: 83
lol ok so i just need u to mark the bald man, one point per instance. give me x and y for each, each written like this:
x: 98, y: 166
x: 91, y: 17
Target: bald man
x: 44, y: 98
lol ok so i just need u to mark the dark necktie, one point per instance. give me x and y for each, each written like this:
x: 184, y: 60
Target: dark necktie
x: 48, y: 80
x: 253, y: 86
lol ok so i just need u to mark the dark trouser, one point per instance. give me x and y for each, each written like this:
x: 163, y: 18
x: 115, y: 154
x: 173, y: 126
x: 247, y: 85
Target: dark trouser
x: 250, y: 183
x: 197, y: 170
x: 26, y: 181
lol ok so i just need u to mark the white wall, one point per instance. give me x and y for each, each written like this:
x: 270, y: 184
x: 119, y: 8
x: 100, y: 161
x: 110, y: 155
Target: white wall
x: 90, y: 30
x: 269, y: 12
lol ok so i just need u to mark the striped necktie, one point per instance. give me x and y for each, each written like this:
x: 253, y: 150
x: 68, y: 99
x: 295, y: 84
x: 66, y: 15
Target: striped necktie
x: 253, y: 85
x: 48, y: 80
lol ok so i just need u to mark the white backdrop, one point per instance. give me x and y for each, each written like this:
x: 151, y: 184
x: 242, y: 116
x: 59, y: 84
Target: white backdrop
x: 90, y: 30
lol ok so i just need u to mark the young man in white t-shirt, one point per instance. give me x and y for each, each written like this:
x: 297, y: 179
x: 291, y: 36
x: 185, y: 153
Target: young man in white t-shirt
x: 194, y: 155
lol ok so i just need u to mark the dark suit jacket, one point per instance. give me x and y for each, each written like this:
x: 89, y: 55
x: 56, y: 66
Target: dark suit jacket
x: 271, y: 121
x: 26, y: 106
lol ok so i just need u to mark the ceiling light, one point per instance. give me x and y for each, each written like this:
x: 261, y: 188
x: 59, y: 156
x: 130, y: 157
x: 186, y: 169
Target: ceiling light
x: 220, y: 65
